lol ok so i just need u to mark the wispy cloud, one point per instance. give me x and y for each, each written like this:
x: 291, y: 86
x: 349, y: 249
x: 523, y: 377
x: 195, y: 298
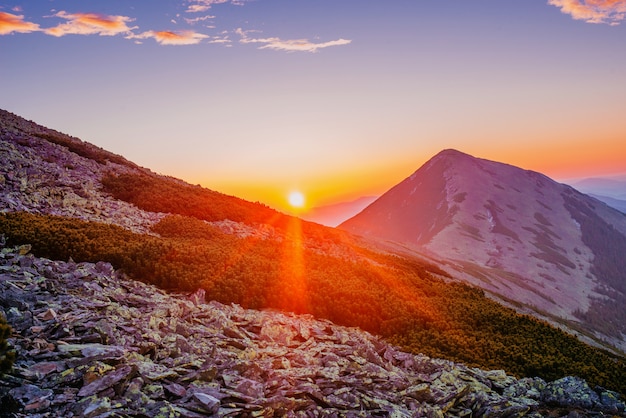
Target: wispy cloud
x: 172, y: 38
x: 195, y: 20
x: 611, y: 12
x: 290, y: 45
x: 198, y: 6
x: 90, y: 24
x: 10, y: 23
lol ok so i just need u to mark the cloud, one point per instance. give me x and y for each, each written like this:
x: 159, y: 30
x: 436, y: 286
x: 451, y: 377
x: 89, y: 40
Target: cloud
x: 220, y: 40
x: 198, y: 6
x: 172, y: 38
x: 10, y: 23
x: 198, y: 19
x: 611, y: 12
x: 90, y: 24
x: 290, y: 45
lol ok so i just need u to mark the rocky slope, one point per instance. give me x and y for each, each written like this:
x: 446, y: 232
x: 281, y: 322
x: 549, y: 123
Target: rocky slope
x: 91, y: 343
x: 515, y: 233
x: 40, y: 176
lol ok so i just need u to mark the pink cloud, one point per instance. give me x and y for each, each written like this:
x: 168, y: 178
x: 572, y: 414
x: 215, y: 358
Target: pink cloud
x: 10, y: 23
x: 290, y: 45
x: 611, y: 12
x: 197, y: 6
x: 90, y: 24
x: 172, y: 38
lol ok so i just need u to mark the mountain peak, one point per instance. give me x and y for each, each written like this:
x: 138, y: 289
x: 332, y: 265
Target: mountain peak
x: 516, y: 233
x: 451, y: 153
x: 449, y: 156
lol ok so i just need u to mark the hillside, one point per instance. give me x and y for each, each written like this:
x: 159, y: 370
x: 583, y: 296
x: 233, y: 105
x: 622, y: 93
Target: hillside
x: 66, y: 199
x: 515, y: 233
x: 93, y: 343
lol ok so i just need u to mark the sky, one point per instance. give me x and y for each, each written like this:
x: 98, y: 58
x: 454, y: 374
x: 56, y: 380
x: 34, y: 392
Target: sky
x: 336, y: 99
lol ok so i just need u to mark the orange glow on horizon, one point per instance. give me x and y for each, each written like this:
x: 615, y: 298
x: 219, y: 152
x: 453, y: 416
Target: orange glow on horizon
x: 567, y: 159
x: 322, y: 188
x: 559, y: 158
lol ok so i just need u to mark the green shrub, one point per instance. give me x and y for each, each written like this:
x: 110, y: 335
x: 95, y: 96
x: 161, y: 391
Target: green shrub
x: 7, y: 356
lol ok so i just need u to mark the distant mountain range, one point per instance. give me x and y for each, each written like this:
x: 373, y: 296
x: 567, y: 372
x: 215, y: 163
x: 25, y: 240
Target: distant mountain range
x: 610, y: 190
x: 524, y: 238
x: 333, y: 215
x: 614, y: 187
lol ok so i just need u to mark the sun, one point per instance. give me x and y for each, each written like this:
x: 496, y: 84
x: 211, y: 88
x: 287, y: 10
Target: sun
x: 296, y: 199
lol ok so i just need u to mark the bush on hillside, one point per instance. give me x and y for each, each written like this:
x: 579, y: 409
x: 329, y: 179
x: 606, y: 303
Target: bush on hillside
x: 84, y: 149
x: 7, y: 356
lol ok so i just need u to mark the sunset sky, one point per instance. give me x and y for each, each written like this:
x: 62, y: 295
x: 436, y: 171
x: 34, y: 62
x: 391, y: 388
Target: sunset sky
x: 334, y: 98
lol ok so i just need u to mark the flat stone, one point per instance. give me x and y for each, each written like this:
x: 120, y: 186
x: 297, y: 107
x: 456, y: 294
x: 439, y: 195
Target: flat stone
x: 44, y: 368
x: 176, y: 389
x: 210, y: 403
x: 32, y: 396
x: 108, y: 380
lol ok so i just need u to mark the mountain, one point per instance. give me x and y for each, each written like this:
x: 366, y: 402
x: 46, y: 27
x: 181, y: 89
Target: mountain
x: 335, y: 214
x: 610, y: 190
x: 131, y: 293
x: 614, y: 187
x: 618, y: 204
x: 526, y: 239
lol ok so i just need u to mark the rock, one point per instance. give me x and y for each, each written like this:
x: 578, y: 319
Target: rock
x: 176, y: 390
x: 210, y: 403
x: 106, y: 352
x: 24, y: 249
x: 105, y: 382
x: 44, y: 368
x: 33, y: 398
x: 198, y: 297
x: 570, y: 391
x: 610, y: 402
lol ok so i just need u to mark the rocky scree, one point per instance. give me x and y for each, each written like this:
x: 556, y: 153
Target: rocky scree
x: 38, y: 176
x: 92, y: 343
